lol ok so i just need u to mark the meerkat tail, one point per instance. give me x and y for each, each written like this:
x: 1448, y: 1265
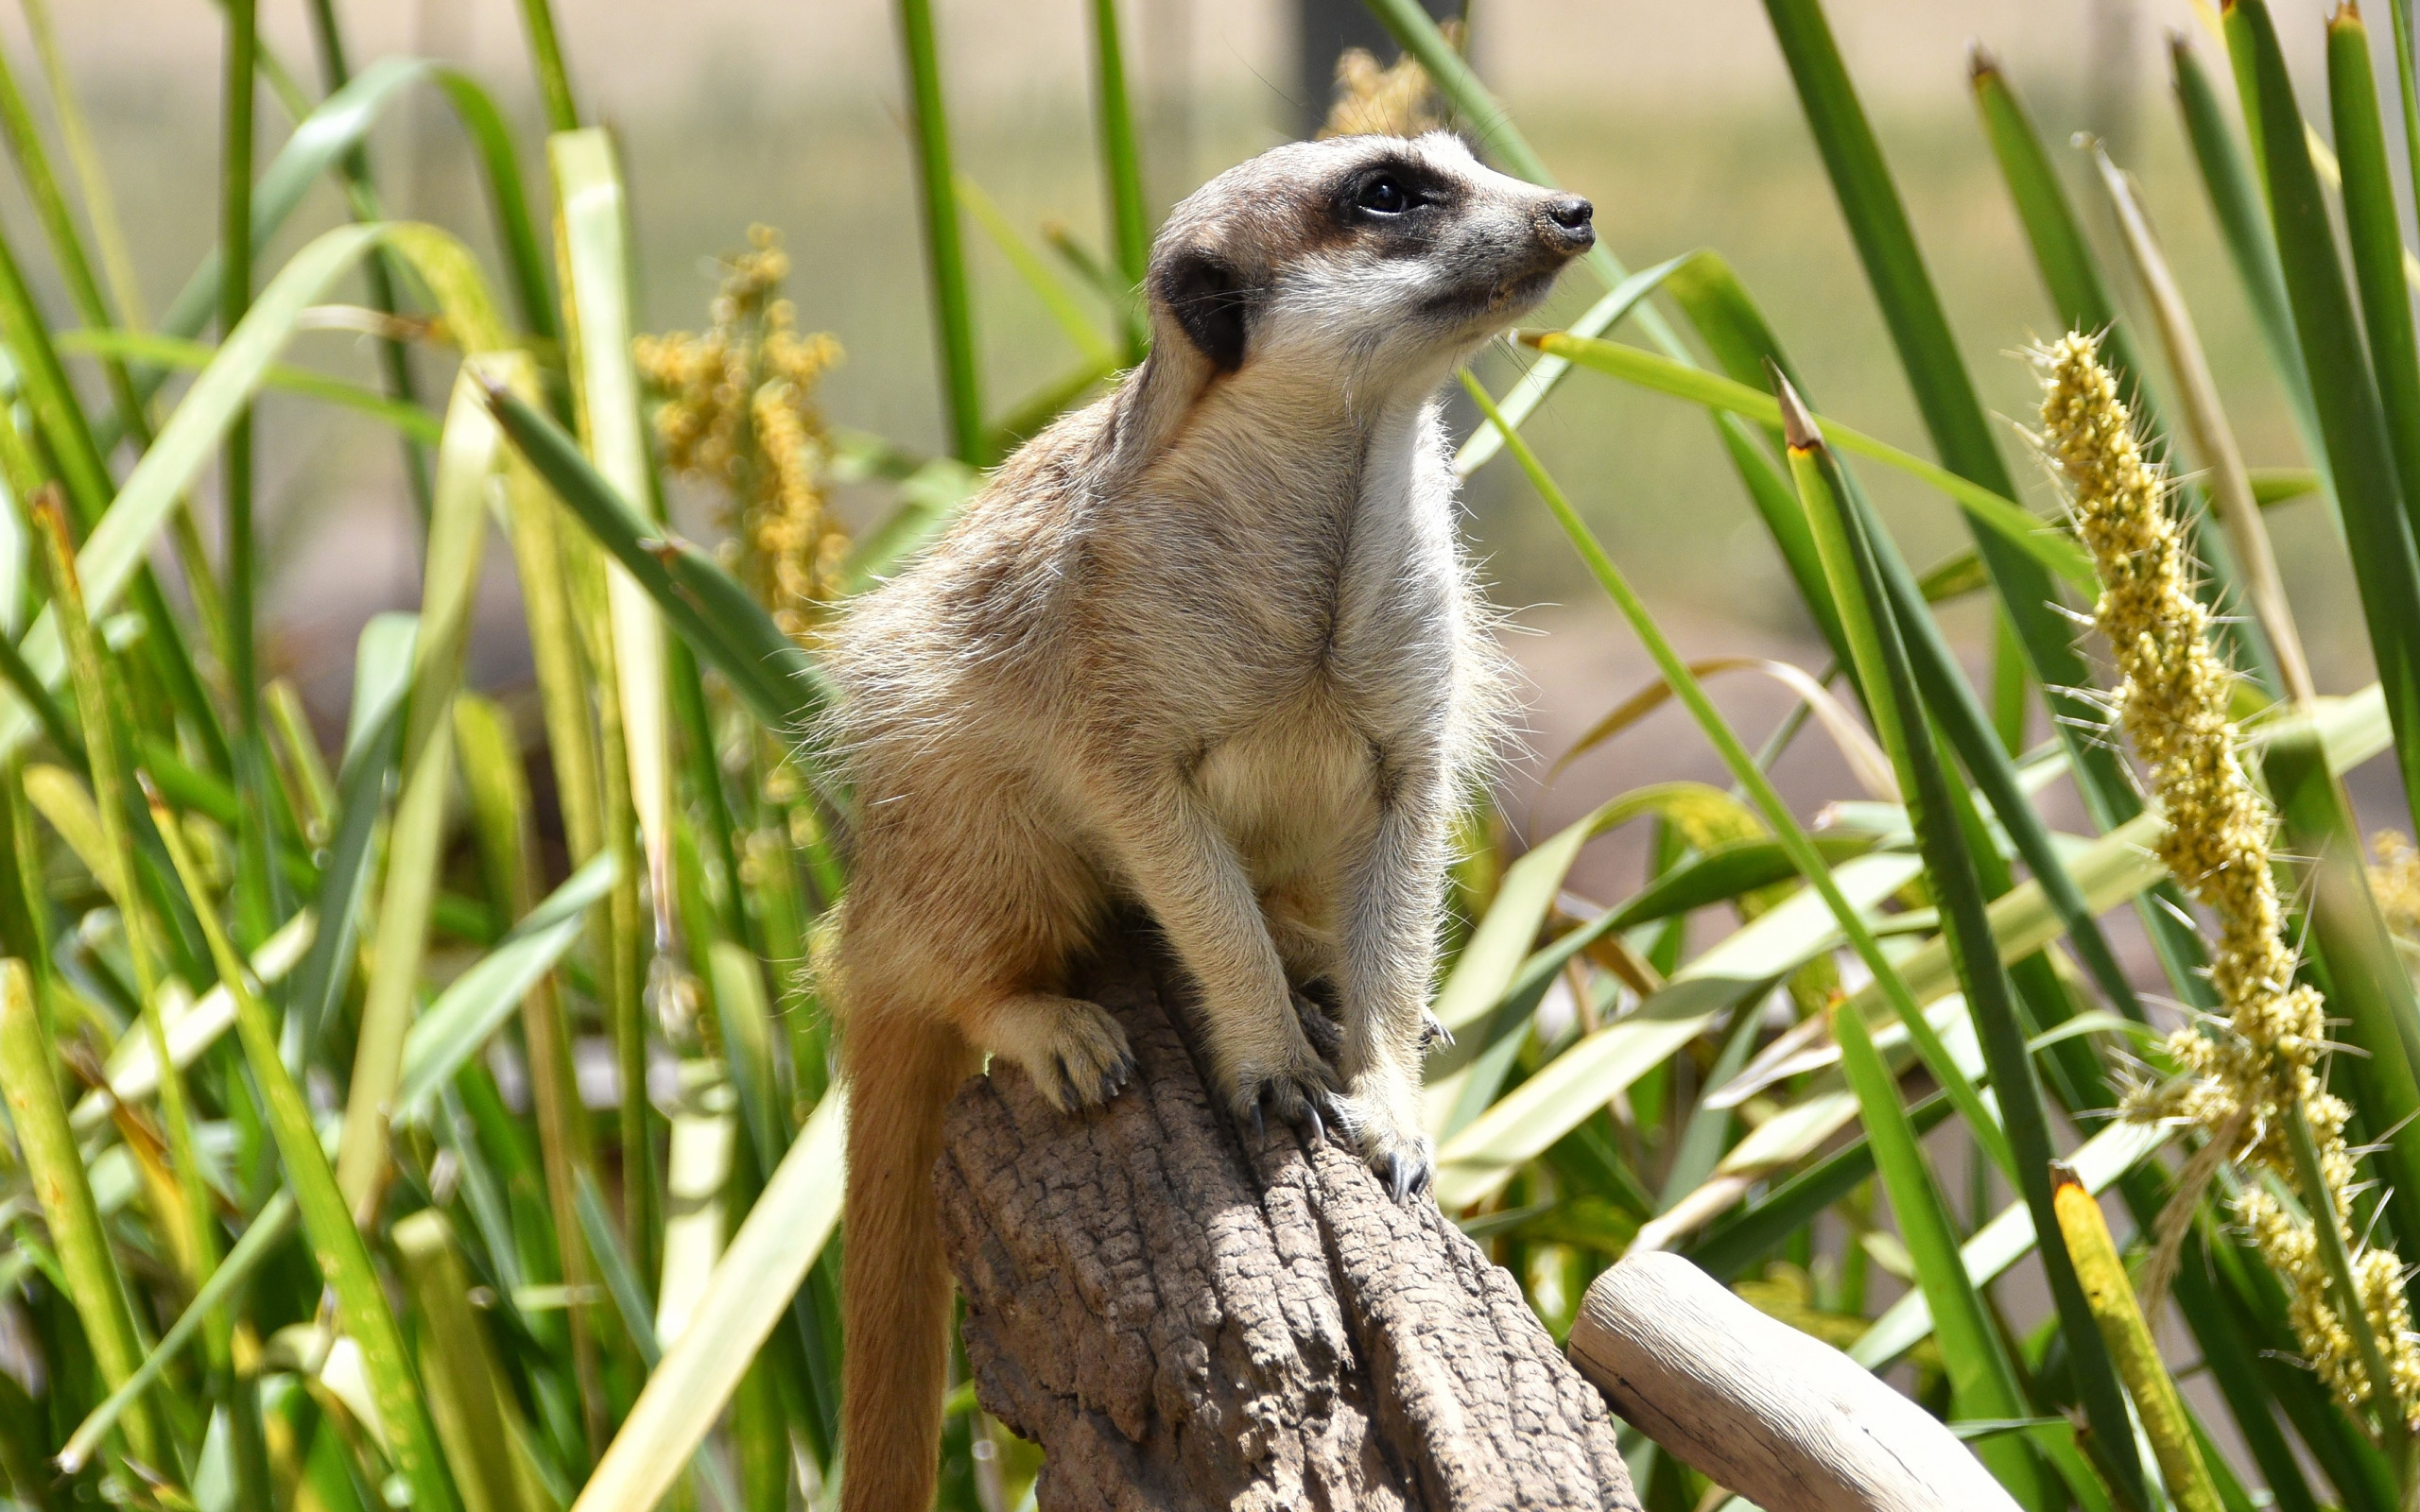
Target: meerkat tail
x: 903, y: 1070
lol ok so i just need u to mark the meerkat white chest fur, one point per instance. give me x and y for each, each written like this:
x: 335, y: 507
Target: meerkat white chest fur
x: 1310, y: 629
x: 1210, y: 647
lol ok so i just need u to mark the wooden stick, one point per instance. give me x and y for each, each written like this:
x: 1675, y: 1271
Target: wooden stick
x: 1777, y: 1416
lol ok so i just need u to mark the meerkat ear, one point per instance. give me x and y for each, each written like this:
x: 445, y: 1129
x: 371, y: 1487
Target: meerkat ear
x: 1211, y: 300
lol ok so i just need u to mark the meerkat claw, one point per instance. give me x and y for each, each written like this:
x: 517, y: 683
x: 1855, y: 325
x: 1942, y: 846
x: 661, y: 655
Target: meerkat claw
x: 1434, y: 1032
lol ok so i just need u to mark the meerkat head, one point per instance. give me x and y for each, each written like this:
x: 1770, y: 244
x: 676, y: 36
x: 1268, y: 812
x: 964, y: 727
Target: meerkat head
x: 1366, y: 259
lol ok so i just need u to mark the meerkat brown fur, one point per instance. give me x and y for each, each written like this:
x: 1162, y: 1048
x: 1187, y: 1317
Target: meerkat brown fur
x: 1210, y: 647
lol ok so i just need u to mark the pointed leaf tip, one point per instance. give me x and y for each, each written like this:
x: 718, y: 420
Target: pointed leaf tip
x: 1982, y: 62
x: 2063, y: 1174
x: 2347, y: 16
x: 1797, y: 425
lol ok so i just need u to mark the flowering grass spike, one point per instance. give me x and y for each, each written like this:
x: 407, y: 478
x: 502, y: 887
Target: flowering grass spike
x: 2244, y: 1073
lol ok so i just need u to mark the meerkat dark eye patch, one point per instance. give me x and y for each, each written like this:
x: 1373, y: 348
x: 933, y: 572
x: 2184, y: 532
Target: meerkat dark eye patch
x: 1212, y: 303
x: 1384, y: 195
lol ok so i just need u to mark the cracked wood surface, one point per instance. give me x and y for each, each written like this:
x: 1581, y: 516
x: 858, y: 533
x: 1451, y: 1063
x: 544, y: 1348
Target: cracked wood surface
x: 1186, y: 1316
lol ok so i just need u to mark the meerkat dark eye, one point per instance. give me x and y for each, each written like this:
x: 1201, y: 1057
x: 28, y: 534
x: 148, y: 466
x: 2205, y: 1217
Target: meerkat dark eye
x: 1384, y: 196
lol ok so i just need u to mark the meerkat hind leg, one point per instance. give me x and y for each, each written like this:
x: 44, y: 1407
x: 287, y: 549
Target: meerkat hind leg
x: 1074, y: 1051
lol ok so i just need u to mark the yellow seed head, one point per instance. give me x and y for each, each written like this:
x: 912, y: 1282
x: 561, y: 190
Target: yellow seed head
x: 1399, y: 99
x: 738, y: 412
x: 2249, y: 1070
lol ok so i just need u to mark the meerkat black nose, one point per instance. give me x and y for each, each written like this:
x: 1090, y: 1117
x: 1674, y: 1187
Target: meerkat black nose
x: 1568, y: 223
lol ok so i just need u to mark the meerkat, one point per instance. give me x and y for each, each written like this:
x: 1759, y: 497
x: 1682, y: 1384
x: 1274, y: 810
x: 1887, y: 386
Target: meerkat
x: 1209, y: 647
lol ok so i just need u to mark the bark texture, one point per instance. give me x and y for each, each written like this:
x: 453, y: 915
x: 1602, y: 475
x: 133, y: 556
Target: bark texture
x: 1184, y: 1315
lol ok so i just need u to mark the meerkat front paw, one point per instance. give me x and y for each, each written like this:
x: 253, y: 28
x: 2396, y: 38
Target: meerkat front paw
x: 1073, y: 1050
x: 1383, y: 1109
x: 1294, y: 1083
x: 1402, y: 1157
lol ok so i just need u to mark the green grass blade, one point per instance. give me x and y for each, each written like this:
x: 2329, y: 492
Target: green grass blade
x: 1524, y: 898
x: 2371, y: 499
x: 1844, y: 534
x: 414, y: 422
x: 1887, y: 246
x: 2072, y: 277
x: 43, y: 384
x: 466, y: 459
x: 546, y: 61
x: 1524, y: 398
x: 72, y: 450
x: 594, y: 247
x: 1047, y: 287
x: 1723, y: 311
x: 100, y: 206
x: 1121, y: 160
x: 490, y: 751
x: 2060, y: 253
x: 134, y: 1074
x: 65, y: 1196
x: 101, y: 699
x: 2234, y: 492
x: 1943, y: 389
x: 620, y: 1277
x: 1728, y: 320
x: 476, y: 1413
x: 477, y: 1003
x: 1982, y: 1380
x: 2128, y: 1338
x: 1522, y: 1124
x: 258, y: 900
x: 2234, y: 199
x: 67, y: 247
x: 1751, y: 1234
x: 267, y: 1229
x: 2367, y: 987
x: 319, y: 145
x: 1997, y: 517
x: 2408, y: 85
x: 697, y: 598
x: 382, y: 675
x: 2009, y: 1237
x: 747, y: 1296
x: 953, y: 291
x: 113, y: 551
x: 746, y: 1019
x: 1767, y: 801
x: 336, y: 1244
x: 394, y: 360
x: 1488, y: 1001
x: 2372, y: 227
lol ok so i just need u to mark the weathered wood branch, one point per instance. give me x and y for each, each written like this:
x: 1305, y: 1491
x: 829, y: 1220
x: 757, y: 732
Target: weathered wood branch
x: 1784, y: 1420
x: 1186, y: 1316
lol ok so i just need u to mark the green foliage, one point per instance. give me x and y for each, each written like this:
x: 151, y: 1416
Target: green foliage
x: 268, y: 1014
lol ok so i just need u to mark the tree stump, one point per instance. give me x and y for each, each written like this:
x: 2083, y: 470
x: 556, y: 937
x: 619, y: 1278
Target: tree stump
x: 1184, y: 1315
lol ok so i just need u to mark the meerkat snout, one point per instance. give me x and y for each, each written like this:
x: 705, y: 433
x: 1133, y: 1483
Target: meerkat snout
x: 1567, y: 223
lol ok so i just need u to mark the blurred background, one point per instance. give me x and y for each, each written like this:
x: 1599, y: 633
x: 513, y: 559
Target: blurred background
x: 1677, y: 119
